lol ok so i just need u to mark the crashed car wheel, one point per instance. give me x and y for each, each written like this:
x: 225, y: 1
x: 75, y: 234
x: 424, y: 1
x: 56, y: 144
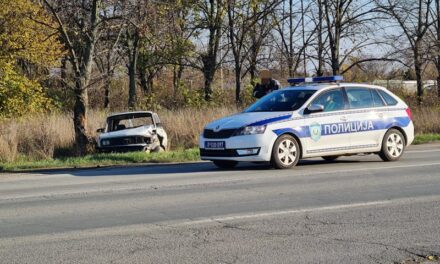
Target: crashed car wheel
x: 225, y: 164
x: 158, y: 149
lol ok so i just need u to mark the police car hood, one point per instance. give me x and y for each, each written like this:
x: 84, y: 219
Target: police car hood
x: 137, y: 131
x: 248, y: 119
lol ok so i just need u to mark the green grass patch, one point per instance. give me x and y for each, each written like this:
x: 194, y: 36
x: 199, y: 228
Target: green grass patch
x: 426, y: 138
x: 103, y: 159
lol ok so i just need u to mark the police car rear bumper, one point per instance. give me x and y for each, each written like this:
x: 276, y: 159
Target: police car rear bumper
x: 254, y: 148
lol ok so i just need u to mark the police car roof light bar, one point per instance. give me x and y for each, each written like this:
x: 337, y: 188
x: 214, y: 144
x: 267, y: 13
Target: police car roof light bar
x: 336, y: 78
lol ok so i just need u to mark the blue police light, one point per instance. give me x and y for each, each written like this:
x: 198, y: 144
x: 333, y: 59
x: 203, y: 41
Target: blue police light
x: 335, y: 78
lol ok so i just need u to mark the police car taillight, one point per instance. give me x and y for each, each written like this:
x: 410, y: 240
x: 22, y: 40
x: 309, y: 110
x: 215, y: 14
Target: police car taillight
x: 409, y: 113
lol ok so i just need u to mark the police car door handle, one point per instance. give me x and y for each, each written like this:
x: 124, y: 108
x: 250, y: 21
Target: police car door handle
x: 380, y: 115
x: 343, y: 118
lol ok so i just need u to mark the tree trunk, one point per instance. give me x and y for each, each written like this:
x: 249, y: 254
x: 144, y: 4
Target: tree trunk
x: 107, y: 92
x: 80, y: 120
x: 319, y: 71
x: 418, y: 71
x: 132, y: 65
x: 208, y: 74
x: 144, y: 82
x: 438, y: 81
x: 437, y: 11
x: 237, y: 83
x: 177, y: 77
x: 335, y: 61
x: 208, y: 85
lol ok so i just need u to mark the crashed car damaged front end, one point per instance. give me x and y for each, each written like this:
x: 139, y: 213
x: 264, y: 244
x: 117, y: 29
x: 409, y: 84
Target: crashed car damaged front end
x: 133, y: 131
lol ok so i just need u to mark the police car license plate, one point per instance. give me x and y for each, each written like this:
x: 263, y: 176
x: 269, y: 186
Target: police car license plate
x: 214, y: 144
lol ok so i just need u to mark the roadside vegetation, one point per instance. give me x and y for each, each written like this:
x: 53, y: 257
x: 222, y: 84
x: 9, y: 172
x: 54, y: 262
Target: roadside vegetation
x: 47, y: 140
x: 194, y: 62
x: 102, y: 160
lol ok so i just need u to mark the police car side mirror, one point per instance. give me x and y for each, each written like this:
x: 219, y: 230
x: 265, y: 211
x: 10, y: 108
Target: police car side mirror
x: 314, y: 108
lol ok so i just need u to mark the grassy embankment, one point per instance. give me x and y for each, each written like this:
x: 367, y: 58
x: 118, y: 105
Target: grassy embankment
x: 113, y: 159
x: 46, y: 141
x: 102, y: 160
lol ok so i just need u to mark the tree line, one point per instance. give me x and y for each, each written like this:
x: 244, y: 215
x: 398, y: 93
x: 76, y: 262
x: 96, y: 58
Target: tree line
x: 92, y: 40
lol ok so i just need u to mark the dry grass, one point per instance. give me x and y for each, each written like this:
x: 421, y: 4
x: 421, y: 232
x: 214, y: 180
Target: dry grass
x: 47, y: 136
x: 51, y: 135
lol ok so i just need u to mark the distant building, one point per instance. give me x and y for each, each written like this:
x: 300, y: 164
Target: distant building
x: 408, y: 86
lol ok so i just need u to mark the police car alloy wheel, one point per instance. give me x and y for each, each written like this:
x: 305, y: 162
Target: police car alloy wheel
x: 285, y: 153
x: 393, y: 145
x: 225, y: 164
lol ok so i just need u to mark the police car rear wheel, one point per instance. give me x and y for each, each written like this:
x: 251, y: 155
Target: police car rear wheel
x: 225, y: 164
x: 285, y: 152
x: 393, y: 145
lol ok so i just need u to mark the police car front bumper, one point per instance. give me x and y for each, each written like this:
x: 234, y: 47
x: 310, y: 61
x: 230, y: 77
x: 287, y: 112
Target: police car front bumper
x: 253, y: 148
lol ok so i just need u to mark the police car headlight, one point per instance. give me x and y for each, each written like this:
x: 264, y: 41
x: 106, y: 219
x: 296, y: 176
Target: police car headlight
x: 250, y: 130
x: 106, y: 142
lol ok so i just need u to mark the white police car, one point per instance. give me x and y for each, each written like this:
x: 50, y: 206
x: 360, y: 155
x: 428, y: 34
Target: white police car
x: 316, y: 117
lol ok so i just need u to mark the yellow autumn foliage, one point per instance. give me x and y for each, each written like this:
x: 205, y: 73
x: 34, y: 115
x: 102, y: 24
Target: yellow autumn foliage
x: 26, y: 34
x: 19, y: 95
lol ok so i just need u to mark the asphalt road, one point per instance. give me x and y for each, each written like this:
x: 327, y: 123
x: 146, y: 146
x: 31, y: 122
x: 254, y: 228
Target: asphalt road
x: 356, y: 210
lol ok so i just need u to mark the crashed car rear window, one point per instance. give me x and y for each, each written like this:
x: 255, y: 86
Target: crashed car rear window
x: 122, y: 122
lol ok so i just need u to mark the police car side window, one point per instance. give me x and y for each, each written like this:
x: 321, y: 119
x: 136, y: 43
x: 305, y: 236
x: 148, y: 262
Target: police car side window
x: 360, y: 97
x: 378, y: 102
x: 332, y: 100
x: 388, y: 98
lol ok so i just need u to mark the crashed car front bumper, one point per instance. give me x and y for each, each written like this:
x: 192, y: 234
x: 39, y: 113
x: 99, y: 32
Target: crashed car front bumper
x: 125, y: 148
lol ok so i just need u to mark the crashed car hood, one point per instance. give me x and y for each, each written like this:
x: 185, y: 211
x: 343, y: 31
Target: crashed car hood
x: 138, y: 131
x: 248, y: 119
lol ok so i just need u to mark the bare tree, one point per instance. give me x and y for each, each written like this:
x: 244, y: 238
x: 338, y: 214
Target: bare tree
x: 241, y: 21
x: 79, y: 26
x: 351, y: 21
x: 108, y: 56
x: 413, y: 18
x: 209, y: 25
x: 294, y: 37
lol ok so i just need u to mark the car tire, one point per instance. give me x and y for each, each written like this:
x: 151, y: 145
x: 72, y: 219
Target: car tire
x: 158, y: 149
x: 285, y: 152
x: 225, y: 164
x: 393, y: 145
x: 330, y: 158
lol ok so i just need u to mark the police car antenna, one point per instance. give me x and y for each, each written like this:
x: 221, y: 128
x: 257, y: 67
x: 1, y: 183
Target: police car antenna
x: 321, y: 79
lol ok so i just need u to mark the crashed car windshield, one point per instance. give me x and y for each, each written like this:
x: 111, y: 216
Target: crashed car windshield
x: 282, y: 100
x: 128, y: 121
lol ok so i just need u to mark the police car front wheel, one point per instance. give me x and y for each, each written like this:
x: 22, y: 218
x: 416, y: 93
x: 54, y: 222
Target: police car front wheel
x: 285, y: 152
x: 393, y: 145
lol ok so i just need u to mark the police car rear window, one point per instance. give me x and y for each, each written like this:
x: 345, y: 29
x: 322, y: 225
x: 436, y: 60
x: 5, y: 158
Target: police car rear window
x: 388, y: 98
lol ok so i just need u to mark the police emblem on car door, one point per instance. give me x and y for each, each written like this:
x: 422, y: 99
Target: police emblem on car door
x: 315, y: 131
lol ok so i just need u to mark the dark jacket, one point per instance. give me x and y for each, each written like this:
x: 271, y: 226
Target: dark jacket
x: 261, y: 90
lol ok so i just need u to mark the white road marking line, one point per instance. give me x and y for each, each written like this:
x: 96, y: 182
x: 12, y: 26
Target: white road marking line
x: 229, y: 181
x: 305, y: 210
x: 148, y: 227
x: 422, y: 151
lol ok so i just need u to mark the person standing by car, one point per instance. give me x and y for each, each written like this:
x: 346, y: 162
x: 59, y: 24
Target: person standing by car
x: 266, y: 86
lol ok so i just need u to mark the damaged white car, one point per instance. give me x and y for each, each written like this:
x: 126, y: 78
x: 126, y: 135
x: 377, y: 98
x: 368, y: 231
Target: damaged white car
x: 132, y: 131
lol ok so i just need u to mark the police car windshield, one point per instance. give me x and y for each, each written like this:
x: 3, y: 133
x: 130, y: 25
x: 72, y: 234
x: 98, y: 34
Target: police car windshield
x: 281, y: 101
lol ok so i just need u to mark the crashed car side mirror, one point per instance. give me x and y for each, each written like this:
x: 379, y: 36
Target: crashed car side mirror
x: 314, y: 108
x: 100, y: 130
